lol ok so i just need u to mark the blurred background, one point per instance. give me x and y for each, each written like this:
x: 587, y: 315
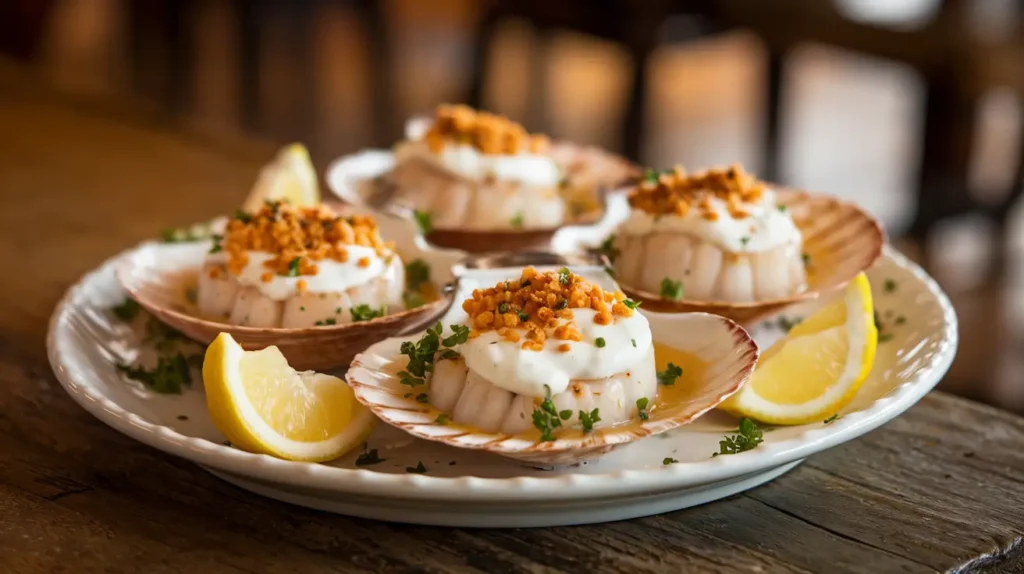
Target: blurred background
x: 910, y: 107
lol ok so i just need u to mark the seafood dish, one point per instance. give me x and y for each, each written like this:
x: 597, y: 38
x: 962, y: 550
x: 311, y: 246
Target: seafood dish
x: 294, y: 268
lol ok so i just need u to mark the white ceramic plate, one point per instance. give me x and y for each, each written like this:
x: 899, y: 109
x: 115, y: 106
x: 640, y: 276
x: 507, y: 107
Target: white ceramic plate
x: 468, y: 488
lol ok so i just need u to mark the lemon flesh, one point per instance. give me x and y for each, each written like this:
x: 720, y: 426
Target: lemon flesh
x: 262, y: 405
x: 819, y: 366
x: 289, y: 177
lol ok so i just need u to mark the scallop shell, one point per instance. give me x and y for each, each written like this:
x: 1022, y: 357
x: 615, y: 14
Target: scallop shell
x: 728, y: 349
x: 840, y: 240
x: 359, y: 180
x: 156, y: 276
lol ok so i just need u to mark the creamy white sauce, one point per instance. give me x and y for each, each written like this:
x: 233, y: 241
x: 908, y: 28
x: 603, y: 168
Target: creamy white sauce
x: 332, y: 276
x: 766, y: 228
x: 509, y: 366
x: 528, y: 168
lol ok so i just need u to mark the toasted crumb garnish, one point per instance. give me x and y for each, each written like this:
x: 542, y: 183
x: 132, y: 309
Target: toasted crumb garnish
x: 489, y: 133
x: 676, y: 192
x: 541, y: 304
x: 298, y: 238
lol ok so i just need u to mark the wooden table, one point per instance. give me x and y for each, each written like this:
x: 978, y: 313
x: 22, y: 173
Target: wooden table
x: 939, y: 488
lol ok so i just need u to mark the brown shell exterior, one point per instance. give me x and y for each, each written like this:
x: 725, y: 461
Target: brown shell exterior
x: 312, y: 348
x: 840, y: 239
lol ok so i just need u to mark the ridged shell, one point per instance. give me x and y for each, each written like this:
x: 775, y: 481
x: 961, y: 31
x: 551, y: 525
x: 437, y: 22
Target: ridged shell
x: 728, y: 349
x: 155, y: 276
x: 355, y: 180
x: 839, y: 238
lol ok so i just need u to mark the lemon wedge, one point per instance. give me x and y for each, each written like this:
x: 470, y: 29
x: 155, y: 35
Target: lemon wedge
x: 818, y: 367
x: 290, y: 177
x: 263, y: 405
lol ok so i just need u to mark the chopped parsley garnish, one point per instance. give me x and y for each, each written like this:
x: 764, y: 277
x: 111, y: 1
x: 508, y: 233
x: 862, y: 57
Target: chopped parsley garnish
x: 806, y: 258
x: 885, y: 337
x: 523, y: 316
x: 442, y: 419
x: 668, y: 460
x: 420, y: 469
x: 744, y: 241
x: 748, y: 437
x: 127, y: 310
x: 517, y: 220
x: 588, y: 419
x: 631, y: 303
x: 421, y: 353
x: 422, y: 221
x: 293, y: 267
x: 562, y: 304
x: 563, y: 275
x: 599, y: 342
x: 273, y: 204
x: 503, y: 308
x: 216, y: 247
x: 369, y: 457
x: 412, y: 300
x: 422, y: 398
x: 634, y: 342
x: 326, y: 322
x: 168, y: 377
x: 652, y: 175
x: 525, y: 283
x: 641, y: 406
x: 900, y: 319
x: 608, y: 249
x: 242, y: 216
x: 831, y: 419
x: 417, y: 272
x: 786, y: 324
x: 364, y: 312
x: 890, y: 285
x: 782, y: 208
x: 672, y: 290
x: 546, y: 418
x: 670, y: 374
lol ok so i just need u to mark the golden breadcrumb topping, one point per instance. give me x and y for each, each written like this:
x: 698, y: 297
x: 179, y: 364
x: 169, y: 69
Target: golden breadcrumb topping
x: 536, y: 302
x: 298, y: 238
x: 675, y: 192
x: 489, y: 133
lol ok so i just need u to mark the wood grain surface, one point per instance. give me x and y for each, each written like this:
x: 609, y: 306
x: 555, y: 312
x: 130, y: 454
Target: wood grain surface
x: 941, y: 488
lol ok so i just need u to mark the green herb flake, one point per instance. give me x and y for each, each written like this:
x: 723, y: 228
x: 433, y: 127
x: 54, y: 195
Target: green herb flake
x: 748, y: 437
x: 608, y: 249
x: 588, y: 419
x: 326, y: 322
x: 364, y: 312
x: 787, y: 323
x: 171, y: 373
x: 368, y: 458
x: 242, y: 216
x: 503, y: 308
x: 442, y: 419
x: 631, y: 303
x: 562, y: 304
x: 420, y: 469
x: 546, y: 418
x: 517, y: 221
x: 641, y: 406
x: 890, y: 285
x: 417, y: 272
x: 293, y: 267
x: 599, y: 342
x: 127, y: 310
x: 422, y: 221
x: 885, y: 337
x: 900, y: 319
x: 563, y: 275
x: 831, y: 419
x: 670, y: 374
x: 668, y: 460
x: 744, y: 241
x: 523, y: 316
x: 634, y: 342
x: 216, y: 246
x: 672, y: 290
x: 806, y: 258
x: 782, y: 208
